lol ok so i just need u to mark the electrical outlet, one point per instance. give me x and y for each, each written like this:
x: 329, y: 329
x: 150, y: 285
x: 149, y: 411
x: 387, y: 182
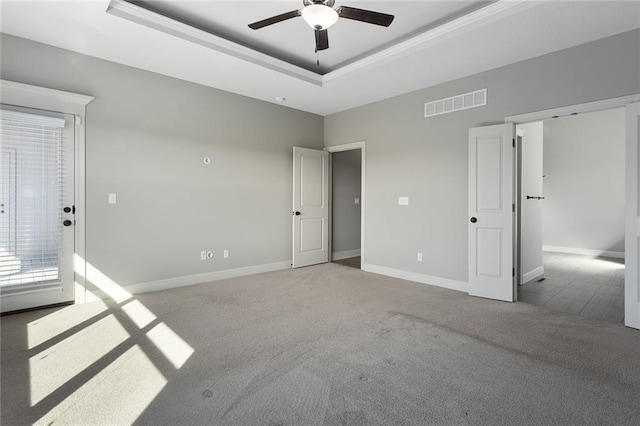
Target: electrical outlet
x: 225, y: 254
x: 209, y: 255
x: 203, y: 255
x: 403, y: 201
x: 419, y: 257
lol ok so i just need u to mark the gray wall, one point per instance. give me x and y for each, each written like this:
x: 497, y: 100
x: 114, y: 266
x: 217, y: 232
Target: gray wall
x: 531, y: 209
x: 584, y: 181
x: 146, y: 137
x: 426, y: 159
x: 346, y: 177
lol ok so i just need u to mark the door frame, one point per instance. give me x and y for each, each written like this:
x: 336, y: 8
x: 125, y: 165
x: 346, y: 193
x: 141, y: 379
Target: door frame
x: 340, y: 148
x: 35, y: 97
x: 631, y: 190
x: 517, y: 213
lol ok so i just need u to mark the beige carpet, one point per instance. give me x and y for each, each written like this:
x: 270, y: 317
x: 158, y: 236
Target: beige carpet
x: 317, y: 345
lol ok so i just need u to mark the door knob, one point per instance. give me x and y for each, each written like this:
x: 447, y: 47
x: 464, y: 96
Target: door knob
x: 297, y: 213
x: 67, y: 209
x: 67, y: 222
x: 473, y: 220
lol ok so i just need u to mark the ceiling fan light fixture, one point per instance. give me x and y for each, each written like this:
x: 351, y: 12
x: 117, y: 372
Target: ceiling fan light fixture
x: 319, y: 16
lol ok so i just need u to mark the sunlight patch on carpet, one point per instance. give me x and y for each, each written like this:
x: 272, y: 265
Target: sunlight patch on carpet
x: 53, y: 367
x: 176, y: 350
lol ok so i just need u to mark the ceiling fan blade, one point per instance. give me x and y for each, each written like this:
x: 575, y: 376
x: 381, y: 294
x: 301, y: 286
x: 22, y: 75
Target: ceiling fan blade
x: 274, y: 19
x: 322, y: 40
x: 368, y: 16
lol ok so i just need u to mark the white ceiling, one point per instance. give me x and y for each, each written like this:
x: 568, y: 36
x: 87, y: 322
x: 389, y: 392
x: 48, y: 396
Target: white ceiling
x: 428, y: 43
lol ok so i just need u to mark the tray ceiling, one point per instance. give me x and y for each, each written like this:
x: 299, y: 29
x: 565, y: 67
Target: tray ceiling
x: 293, y: 40
x: 429, y: 43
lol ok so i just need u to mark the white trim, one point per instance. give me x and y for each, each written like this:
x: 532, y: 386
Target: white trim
x: 188, y: 280
x: 417, y: 277
x: 345, y: 254
x: 363, y: 199
x: 585, y: 252
x: 19, y: 94
x: 28, y: 96
x: 632, y: 219
x: 532, y: 275
x: 167, y: 25
x: 571, y: 109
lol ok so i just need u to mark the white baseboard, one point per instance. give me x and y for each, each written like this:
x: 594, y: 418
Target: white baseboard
x: 416, y: 277
x: 586, y: 252
x: 204, y: 278
x: 345, y: 254
x: 533, y: 274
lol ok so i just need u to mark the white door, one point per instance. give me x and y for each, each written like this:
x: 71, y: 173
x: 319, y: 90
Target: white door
x: 632, y: 225
x: 491, y: 216
x: 37, y: 197
x: 310, y: 207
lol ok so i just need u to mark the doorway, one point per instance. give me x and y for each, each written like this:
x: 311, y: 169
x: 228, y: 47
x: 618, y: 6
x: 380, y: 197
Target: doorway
x: 69, y: 108
x: 572, y: 208
x: 346, y: 173
x: 349, y: 192
x: 494, y: 259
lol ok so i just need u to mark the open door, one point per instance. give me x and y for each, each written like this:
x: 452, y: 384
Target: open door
x: 310, y: 207
x: 491, y: 212
x: 632, y: 227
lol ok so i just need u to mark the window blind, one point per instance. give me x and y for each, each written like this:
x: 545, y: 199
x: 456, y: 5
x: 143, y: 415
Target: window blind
x: 31, y: 195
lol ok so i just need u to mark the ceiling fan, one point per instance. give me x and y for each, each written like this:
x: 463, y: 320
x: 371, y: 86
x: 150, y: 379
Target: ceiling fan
x: 320, y: 15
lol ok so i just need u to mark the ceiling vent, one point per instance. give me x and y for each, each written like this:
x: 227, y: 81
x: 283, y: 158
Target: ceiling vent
x: 456, y: 103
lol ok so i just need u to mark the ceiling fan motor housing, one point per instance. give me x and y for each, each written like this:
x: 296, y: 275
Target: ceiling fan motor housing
x: 328, y: 3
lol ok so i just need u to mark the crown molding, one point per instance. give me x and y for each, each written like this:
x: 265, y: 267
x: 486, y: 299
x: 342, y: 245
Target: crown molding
x: 9, y: 88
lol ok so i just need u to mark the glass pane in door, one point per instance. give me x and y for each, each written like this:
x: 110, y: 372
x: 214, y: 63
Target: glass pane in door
x: 31, y: 202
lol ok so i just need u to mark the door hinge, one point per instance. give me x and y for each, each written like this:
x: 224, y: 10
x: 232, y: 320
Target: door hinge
x: 513, y: 272
x: 514, y: 142
x: 513, y: 207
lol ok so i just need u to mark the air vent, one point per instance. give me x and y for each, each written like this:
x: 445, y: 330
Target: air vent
x: 456, y: 103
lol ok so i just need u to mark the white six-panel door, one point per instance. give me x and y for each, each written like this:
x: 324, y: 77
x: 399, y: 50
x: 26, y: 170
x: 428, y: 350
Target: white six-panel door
x: 632, y: 226
x: 310, y: 207
x: 491, y: 163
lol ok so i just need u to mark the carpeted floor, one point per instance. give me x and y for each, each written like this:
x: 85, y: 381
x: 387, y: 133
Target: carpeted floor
x: 317, y: 345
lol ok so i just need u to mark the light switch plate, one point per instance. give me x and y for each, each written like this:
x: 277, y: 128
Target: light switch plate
x: 356, y: 201
x: 112, y: 198
x: 403, y: 201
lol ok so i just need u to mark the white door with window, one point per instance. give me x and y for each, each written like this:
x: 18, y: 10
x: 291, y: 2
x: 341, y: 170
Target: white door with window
x: 491, y: 216
x: 37, y: 208
x: 310, y: 207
